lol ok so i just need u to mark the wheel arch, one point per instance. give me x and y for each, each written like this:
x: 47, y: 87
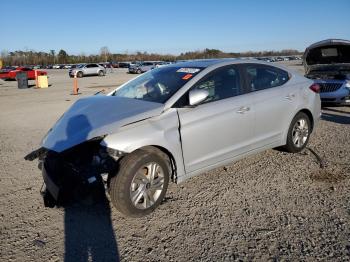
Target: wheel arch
x: 309, y: 114
x: 159, y: 149
x: 303, y: 110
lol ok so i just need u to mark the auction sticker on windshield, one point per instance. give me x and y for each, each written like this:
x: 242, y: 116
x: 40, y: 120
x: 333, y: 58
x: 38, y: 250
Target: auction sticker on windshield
x: 186, y: 77
x: 188, y: 70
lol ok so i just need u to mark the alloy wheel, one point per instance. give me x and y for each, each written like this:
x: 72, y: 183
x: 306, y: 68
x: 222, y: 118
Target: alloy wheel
x: 147, y: 185
x: 300, y: 132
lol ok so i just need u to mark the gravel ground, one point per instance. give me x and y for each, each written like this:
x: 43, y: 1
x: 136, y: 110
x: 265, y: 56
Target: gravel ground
x: 272, y: 206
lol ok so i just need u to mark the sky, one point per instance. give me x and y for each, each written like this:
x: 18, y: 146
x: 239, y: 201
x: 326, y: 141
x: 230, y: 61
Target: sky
x: 170, y: 26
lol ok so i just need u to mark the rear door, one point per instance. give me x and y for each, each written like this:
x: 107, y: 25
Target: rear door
x: 274, y: 102
x: 222, y: 126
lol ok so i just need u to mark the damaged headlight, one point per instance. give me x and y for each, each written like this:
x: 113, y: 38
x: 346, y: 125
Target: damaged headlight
x: 106, y: 151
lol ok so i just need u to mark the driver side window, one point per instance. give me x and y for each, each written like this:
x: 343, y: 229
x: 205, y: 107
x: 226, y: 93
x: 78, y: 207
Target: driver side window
x: 222, y: 83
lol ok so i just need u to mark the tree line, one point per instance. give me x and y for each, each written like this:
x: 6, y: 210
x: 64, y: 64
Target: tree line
x: 31, y: 57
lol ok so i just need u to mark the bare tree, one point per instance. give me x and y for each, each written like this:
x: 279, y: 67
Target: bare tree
x: 104, y: 52
x: 62, y: 56
x: 52, y: 53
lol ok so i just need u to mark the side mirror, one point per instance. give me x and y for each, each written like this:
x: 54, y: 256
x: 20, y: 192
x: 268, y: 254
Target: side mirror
x: 197, y: 96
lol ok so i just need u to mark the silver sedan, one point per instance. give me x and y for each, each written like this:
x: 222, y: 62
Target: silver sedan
x: 173, y: 123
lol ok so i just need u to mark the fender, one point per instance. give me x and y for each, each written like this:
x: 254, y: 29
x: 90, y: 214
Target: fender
x: 162, y: 131
x: 306, y: 97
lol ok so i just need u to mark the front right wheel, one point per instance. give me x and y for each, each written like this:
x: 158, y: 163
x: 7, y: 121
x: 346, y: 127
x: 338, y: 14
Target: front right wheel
x: 298, y: 133
x: 141, y: 183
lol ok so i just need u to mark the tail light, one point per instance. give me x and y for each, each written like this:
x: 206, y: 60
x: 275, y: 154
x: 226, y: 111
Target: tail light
x: 315, y: 87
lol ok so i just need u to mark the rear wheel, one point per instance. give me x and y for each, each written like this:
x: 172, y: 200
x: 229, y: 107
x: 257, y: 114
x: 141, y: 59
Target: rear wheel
x: 100, y: 73
x: 138, y: 71
x: 141, y: 183
x: 80, y: 74
x: 298, y: 133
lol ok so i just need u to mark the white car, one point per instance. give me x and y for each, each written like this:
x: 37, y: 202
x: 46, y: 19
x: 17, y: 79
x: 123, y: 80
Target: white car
x: 87, y: 70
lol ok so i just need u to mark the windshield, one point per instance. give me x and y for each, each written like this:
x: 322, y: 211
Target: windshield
x: 157, y: 85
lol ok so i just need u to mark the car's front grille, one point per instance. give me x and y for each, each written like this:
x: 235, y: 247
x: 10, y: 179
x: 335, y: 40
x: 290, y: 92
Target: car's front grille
x: 329, y: 87
x: 328, y: 99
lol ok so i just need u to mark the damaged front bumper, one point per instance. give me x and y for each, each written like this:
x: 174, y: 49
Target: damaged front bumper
x: 75, y: 173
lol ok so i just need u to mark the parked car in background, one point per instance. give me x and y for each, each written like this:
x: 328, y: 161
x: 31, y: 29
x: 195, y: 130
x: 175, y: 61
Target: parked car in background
x: 124, y: 64
x: 76, y: 66
x: 328, y: 63
x: 6, y: 69
x: 87, y: 70
x: 266, y: 59
x: 12, y: 74
x: 173, y: 123
x: 114, y: 64
x: 56, y: 66
x: 161, y: 64
x: 106, y: 64
x: 142, y: 67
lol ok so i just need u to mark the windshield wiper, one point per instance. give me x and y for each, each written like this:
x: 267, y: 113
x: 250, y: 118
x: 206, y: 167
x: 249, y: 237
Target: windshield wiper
x: 101, y: 91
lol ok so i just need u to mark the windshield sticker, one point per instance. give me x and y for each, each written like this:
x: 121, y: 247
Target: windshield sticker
x: 186, y: 77
x: 188, y: 70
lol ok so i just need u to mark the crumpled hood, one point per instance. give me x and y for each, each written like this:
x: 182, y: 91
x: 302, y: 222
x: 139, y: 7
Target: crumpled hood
x: 327, y: 55
x: 96, y: 116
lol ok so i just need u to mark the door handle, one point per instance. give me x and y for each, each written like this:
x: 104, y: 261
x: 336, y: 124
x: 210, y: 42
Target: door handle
x: 290, y: 96
x: 243, y: 109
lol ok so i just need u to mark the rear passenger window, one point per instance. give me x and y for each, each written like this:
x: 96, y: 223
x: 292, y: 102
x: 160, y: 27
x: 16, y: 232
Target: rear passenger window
x: 261, y: 77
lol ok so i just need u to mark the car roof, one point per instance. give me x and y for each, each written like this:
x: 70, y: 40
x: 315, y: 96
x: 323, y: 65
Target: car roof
x: 213, y: 63
x: 204, y: 62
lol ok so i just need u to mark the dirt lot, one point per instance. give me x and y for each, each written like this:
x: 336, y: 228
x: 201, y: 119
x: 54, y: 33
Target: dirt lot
x: 272, y: 206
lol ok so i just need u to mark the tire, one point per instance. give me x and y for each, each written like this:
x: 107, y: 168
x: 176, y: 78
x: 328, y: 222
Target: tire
x: 138, y: 71
x: 80, y: 74
x: 133, y: 192
x: 298, y: 133
x: 100, y: 73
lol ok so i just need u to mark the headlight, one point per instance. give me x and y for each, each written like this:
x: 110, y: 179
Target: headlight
x: 347, y: 84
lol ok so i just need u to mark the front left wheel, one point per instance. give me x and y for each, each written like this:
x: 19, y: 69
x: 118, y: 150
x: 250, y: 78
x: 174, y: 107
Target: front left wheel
x: 141, y: 183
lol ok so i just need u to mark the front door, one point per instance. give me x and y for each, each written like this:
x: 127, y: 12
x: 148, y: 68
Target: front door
x: 222, y: 126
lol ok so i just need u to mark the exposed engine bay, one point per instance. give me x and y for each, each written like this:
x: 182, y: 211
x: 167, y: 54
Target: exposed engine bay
x: 331, y: 74
x: 75, y: 172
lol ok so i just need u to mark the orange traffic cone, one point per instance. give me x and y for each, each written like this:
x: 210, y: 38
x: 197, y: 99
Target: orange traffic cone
x: 75, y: 85
x: 36, y: 79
